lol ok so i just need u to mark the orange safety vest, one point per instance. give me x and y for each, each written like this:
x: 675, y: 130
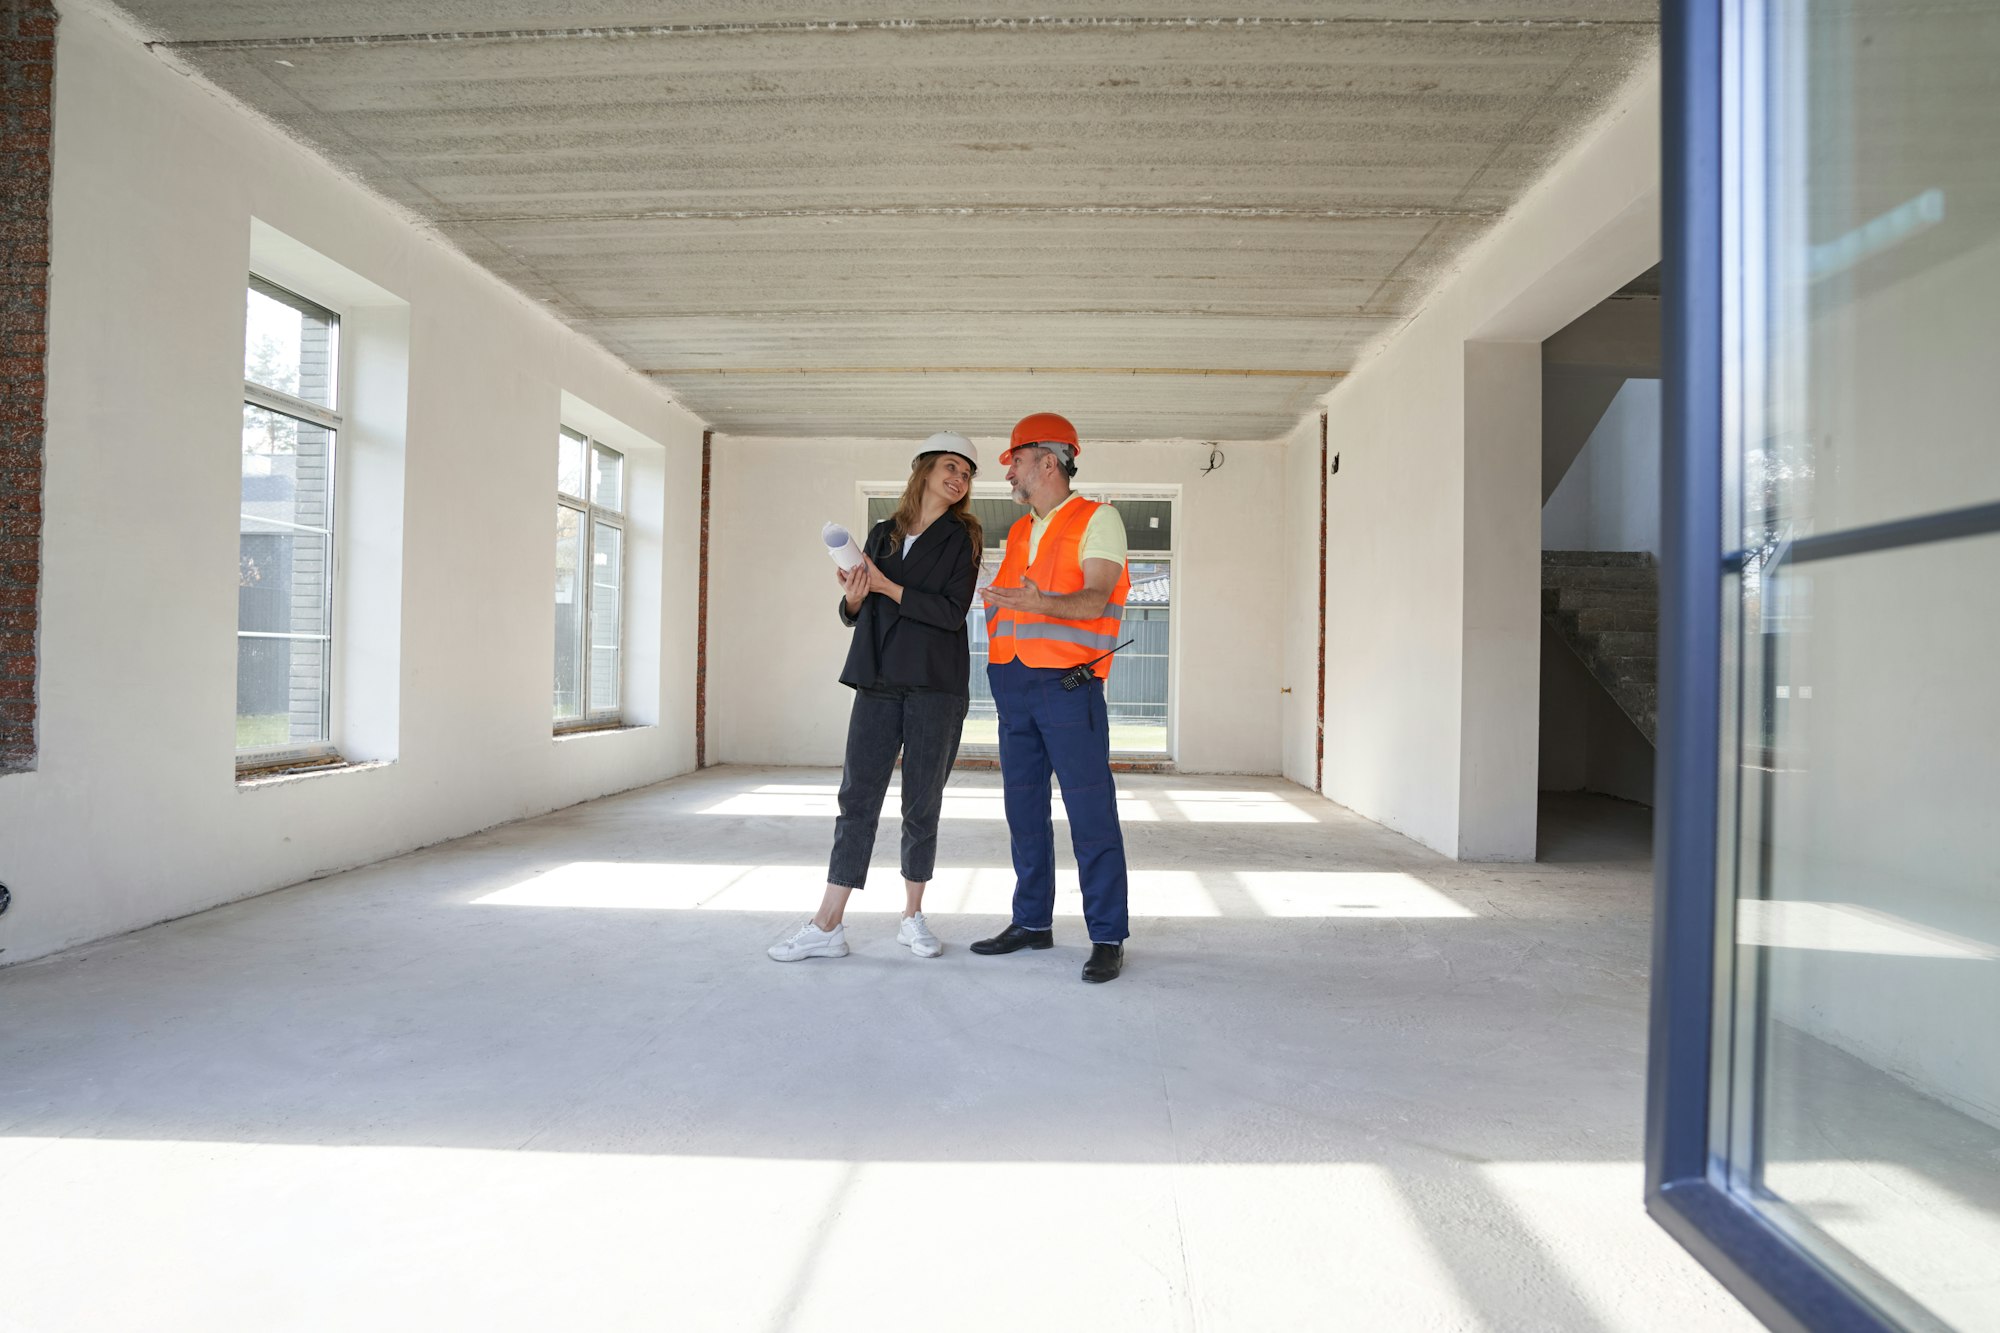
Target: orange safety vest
x: 1045, y: 641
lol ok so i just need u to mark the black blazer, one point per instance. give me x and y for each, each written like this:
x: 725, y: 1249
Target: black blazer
x: 923, y: 641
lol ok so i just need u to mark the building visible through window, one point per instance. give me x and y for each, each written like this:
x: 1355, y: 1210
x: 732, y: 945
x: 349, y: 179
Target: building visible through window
x: 590, y: 581
x: 285, y: 556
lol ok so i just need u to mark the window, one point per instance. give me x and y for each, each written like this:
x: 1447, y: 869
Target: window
x: 1138, y: 692
x: 285, y: 568
x: 590, y: 581
x: 1825, y: 1111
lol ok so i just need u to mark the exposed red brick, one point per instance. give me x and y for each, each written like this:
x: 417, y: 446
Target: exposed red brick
x: 701, y: 616
x: 1319, y: 730
x: 27, y: 73
x: 22, y: 411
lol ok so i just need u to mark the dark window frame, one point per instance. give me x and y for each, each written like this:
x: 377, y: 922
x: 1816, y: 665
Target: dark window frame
x: 1707, y: 80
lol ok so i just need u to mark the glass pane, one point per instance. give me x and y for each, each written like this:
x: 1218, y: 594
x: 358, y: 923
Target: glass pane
x: 996, y: 514
x: 1865, y: 1089
x: 1884, y: 263
x: 287, y: 472
x: 281, y: 583
x: 569, y: 614
x: 280, y: 692
x: 570, y: 448
x: 284, y: 573
x: 607, y: 578
x: 1136, y: 694
x: 1149, y: 524
x: 1873, y: 915
x: 289, y: 344
x: 607, y: 478
x: 982, y: 718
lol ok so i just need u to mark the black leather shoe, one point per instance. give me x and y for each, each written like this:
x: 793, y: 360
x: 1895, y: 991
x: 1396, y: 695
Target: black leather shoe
x: 1106, y: 962
x: 1014, y: 937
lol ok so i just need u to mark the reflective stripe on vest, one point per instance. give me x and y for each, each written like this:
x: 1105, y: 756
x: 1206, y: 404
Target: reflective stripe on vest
x: 1046, y: 641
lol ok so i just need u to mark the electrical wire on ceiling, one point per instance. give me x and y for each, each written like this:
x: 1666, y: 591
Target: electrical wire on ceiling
x: 1215, y: 457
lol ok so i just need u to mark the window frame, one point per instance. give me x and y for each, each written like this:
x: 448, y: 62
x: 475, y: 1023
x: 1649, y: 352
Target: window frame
x: 592, y: 514
x: 330, y: 418
x: 1714, y: 104
x: 996, y: 550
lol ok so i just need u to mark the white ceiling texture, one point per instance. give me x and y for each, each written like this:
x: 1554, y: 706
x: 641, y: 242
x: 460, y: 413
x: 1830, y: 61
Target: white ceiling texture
x: 848, y: 221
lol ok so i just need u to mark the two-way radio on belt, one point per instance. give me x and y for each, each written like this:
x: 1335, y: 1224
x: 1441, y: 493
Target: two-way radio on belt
x: 1077, y: 675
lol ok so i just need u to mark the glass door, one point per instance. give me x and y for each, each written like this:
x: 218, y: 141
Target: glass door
x: 1849, y: 1101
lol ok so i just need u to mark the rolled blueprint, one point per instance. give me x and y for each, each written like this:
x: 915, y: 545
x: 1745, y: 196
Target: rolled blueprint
x: 840, y: 546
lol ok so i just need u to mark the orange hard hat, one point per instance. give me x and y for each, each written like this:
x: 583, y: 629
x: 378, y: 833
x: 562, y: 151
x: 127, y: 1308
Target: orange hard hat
x: 1041, y: 428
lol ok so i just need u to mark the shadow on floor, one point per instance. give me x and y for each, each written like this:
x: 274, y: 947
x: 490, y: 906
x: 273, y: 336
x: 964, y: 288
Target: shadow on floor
x: 1577, y: 828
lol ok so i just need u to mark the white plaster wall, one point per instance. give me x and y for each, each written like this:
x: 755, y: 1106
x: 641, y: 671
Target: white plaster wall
x: 775, y: 646
x: 133, y: 814
x: 1500, y: 678
x: 1610, y: 498
x: 1400, y: 627
x: 1299, y: 710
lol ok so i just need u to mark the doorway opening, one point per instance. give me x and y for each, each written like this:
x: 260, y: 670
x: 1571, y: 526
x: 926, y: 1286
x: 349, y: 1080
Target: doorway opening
x: 1600, y: 579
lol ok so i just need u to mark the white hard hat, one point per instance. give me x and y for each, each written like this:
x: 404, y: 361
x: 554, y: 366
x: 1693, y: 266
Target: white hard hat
x: 950, y: 442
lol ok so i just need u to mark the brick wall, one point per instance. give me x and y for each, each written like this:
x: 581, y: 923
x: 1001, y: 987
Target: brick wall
x: 27, y: 77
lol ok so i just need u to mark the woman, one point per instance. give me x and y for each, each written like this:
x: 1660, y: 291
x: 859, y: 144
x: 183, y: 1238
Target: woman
x: 910, y: 666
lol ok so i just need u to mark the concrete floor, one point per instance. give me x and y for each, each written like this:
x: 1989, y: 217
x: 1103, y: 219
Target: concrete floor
x: 545, y: 1077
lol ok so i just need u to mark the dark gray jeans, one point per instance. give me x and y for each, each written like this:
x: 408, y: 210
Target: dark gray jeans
x: 924, y: 725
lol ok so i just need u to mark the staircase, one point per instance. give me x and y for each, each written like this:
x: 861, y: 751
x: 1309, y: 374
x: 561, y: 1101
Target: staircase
x: 1606, y: 607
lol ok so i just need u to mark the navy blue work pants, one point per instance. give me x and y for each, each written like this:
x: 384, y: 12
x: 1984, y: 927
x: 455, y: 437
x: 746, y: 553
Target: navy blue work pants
x: 1047, y: 729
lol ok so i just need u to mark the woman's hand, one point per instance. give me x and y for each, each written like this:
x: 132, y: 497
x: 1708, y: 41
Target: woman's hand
x: 877, y: 581
x: 854, y: 582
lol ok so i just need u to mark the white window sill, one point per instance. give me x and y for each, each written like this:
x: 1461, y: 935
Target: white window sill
x: 259, y: 781
x: 585, y: 733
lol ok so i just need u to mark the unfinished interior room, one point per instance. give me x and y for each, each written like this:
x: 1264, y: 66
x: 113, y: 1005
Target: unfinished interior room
x: 1315, y: 669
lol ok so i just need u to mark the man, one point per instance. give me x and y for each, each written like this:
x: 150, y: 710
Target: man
x: 1053, y: 614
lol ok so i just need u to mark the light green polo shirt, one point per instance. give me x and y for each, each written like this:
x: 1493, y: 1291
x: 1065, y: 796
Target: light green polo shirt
x: 1103, y: 537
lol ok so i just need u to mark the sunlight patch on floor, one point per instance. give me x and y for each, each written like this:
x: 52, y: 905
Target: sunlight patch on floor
x: 210, y: 1235
x: 821, y: 801
x: 988, y: 890
x: 1849, y: 928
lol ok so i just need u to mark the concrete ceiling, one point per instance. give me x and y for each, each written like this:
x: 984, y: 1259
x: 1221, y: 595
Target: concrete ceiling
x: 829, y: 222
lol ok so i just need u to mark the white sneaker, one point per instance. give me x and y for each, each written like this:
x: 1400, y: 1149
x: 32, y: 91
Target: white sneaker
x: 916, y: 933
x: 811, y: 942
